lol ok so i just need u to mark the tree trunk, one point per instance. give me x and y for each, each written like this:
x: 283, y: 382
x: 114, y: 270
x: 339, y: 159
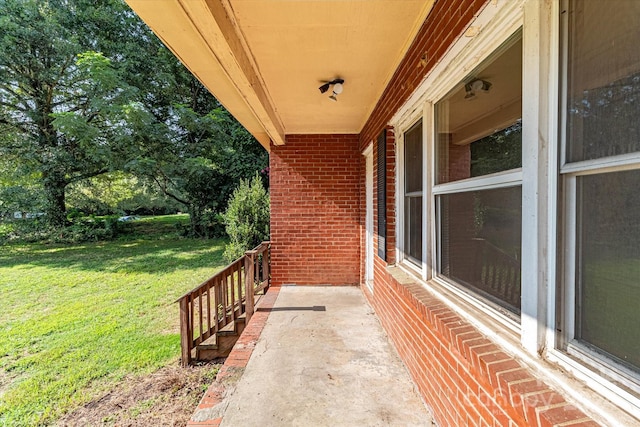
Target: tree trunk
x: 54, y: 189
x: 196, y: 220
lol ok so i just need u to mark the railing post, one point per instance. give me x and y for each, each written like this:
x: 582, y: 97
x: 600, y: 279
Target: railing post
x: 249, y: 279
x: 186, y: 338
x: 266, y: 256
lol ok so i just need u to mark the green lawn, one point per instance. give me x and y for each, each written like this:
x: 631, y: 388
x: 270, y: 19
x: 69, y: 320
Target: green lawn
x: 76, y: 319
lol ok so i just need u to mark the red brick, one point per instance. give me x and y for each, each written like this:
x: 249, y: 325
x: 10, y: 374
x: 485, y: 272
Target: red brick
x: 559, y: 415
x: 536, y: 402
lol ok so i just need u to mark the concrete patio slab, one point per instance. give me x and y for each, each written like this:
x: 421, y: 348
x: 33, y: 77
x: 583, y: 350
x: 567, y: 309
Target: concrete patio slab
x: 322, y: 359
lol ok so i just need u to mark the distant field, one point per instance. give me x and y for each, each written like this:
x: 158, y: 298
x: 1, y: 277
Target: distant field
x: 76, y: 319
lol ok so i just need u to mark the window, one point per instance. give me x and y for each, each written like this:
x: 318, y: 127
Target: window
x: 478, y: 197
x: 600, y: 175
x: 553, y: 258
x: 413, y: 194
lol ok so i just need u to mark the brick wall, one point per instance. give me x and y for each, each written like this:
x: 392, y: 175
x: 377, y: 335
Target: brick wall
x: 315, y: 210
x: 465, y: 378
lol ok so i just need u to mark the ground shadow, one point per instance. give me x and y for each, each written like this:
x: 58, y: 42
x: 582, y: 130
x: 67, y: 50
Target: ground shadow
x: 137, y: 256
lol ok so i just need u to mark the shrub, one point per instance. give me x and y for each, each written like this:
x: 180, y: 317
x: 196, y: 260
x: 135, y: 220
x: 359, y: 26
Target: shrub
x: 79, y: 229
x: 246, y: 218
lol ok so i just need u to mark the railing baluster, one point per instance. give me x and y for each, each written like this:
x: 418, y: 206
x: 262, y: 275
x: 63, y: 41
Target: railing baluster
x: 249, y: 263
x: 232, y: 293
x: 209, y: 311
x: 225, y: 298
x: 200, y: 314
x: 216, y: 303
x: 191, y: 314
x: 238, y: 282
x: 265, y: 265
x: 185, y: 333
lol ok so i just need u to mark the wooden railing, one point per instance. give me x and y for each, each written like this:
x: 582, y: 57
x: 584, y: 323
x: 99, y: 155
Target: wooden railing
x: 222, y: 298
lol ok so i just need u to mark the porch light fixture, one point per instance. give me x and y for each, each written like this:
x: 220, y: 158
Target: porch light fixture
x: 475, y: 86
x: 337, y: 88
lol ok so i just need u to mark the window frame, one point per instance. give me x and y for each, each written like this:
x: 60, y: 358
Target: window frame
x: 417, y: 263
x: 580, y: 357
x: 416, y: 266
x: 381, y: 188
x: 429, y: 269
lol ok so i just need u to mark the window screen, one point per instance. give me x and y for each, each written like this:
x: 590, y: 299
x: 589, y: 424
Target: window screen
x: 413, y: 193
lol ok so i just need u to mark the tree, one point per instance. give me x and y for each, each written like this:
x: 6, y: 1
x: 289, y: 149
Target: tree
x: 195, y: 156
x: 497, y: 152
x: 19, y: 191
x: 59, y: 95
x: 86, y: 89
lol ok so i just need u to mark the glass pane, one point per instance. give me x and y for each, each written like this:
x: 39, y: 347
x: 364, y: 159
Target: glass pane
x: 413, y: 227
x: 478, y: 124
x: 608, y: 264
x: 413, y: 159
x: 480, y: 236
x: 603, y: 79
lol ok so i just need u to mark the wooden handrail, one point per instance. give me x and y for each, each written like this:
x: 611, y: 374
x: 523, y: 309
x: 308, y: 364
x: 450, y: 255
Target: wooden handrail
x: 222, y: 298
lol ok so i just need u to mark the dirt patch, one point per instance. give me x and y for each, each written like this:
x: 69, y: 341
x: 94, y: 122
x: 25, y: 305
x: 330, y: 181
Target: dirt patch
x: 166, y: 397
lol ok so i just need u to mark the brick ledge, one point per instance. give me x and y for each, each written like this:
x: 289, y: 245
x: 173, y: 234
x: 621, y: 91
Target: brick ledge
x: 211, y: 408
x: 512, y: 385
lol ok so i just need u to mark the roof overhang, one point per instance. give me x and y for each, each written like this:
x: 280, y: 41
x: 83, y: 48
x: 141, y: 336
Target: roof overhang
x: 265, y: 60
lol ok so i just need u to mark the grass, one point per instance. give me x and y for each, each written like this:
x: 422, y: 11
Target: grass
x: 76, y: 319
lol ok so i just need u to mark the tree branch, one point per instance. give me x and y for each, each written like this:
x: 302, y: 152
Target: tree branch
x: 13, y: 106
x: 88, y: 175
x: 164, y: 189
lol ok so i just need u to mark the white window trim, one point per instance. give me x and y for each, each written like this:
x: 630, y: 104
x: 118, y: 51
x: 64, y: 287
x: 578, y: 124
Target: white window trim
x: 541, y: 203
x: 510, y: 178
x: 582, y: 362
x: 400, y: 131
x: 496, y: 23
x: 369, y: 270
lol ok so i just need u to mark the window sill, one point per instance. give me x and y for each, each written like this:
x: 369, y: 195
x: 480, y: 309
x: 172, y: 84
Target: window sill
x: 502, y: 330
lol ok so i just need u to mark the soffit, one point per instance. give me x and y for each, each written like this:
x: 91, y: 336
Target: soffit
x: 265, y: 59
x: 299, y: 44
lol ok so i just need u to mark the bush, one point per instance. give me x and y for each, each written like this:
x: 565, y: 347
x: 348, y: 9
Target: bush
x: 246, y: 218
x: 79, y: 229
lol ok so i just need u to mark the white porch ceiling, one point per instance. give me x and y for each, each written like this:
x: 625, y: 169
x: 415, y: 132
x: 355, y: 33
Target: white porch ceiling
x: 265, y: 59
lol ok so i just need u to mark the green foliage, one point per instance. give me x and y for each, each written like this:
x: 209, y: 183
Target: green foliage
x: 61, y: 90
x: 86, y: 89
x: 20, y: 191
x: 78, y: 319
x: 246, y: 218
x: 195, y: 158
x: 79, y: 228
x: 119, y: 193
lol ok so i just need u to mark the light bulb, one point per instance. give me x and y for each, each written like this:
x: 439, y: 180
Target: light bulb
x: 477, y: 85
x: 337, y: 88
